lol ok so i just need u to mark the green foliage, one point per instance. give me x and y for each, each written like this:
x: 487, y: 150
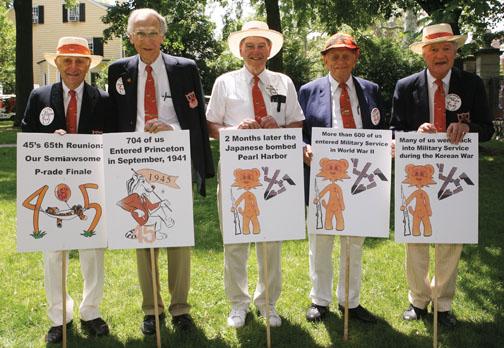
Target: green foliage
x: 7, y: 52
x: 189, y: 32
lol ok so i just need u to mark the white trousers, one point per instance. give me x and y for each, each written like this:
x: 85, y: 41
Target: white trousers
x: 235, y: 269
x: 91, y: 263
x: 321, y: 269
x: 417, y: 272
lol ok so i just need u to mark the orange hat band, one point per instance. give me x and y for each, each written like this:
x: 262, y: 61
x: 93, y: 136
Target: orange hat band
x: 438, y: 35
x: 74, y: 49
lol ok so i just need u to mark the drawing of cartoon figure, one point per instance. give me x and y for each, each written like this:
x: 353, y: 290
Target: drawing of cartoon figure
x: 333, y: 170
x: 419, y: 176
x: 247, y: 179
x: 146, y: 214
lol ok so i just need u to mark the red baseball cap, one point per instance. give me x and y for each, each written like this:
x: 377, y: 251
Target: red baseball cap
x: 340, y: 40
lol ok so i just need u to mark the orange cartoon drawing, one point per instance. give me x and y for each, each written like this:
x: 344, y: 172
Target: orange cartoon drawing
x: 333, y: 170
x: 419, y: 176
x: 247, y: 179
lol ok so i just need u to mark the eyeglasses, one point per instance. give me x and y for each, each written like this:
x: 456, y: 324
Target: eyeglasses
x: 143, y: 35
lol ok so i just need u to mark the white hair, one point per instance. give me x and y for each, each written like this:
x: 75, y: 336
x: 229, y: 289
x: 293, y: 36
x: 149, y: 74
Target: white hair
x: 145, y: 12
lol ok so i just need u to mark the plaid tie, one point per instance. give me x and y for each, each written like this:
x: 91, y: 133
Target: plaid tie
x: 346, y: 107
x: 150, y: 106
x: 439, y: 107
x: 71, y: 115
x: 258, y: 100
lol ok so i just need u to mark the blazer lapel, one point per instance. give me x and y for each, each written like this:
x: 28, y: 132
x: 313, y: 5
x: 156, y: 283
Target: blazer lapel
x: 177, y: 94
x: 130, y: 78
x: 325, y: 102
x: 57, y: 104
x: 421, y: 98
x: 455, y: 88
x: 89, y: 100
x: 363, y: 104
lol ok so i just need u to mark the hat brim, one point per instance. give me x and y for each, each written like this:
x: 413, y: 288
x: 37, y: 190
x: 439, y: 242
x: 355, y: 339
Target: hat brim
x: 459, y: 40
x: 51, y: 57
x: 342, y: 45
x: 235, y: 38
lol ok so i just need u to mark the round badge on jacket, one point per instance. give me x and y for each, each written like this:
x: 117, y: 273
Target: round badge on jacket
x: 46, y: 116
x: 120, y: 86
x: 375, y: 116
x: 453, y: 102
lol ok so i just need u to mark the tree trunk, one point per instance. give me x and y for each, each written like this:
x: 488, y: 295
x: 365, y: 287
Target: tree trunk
x: 273, y: 20
x: 24, y: 56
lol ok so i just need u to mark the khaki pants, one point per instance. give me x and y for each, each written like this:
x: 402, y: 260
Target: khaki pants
x: 179, y: 273
x: 417, y: 272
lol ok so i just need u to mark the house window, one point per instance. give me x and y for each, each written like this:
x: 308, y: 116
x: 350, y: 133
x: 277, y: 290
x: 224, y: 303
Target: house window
x: 38, y: 14
x: 73, y: 14
x: 90, y: 44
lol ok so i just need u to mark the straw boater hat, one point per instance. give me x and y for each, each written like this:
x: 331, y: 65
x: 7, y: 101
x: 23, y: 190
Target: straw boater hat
x: 437, y: 33
x: 255, y: 28
x: 340, y: 40
x: 70, y: 46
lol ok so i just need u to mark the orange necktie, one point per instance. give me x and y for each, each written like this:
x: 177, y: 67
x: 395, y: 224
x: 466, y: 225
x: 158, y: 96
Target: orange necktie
x: 346, y: 107
x: 258, y: 100
x: 439, y: 107
x: 150, y: 106
x: 71, y: 115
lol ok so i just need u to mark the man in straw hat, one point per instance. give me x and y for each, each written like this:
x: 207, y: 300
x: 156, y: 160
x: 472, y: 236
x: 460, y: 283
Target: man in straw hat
x: 338, y: 100
x: 252, y: 98
x: 440, y: 98
x: 152, y: 92
x: 71, y: 106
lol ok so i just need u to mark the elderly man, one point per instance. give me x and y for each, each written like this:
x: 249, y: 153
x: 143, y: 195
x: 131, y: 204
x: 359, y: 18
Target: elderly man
x: 154, y: 92
x: 338, y: 100
x: 71, y: 106
x: 253, y: 98
x: 419, y: 104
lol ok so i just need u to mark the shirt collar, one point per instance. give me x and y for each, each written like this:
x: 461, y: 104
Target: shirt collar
x: 431, y: 79
x: 249, y: 77
x: 335, y: 84
x: 78, y: 90
x: 157, y: 65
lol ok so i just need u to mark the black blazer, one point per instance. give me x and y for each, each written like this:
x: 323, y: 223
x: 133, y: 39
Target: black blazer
x: 94, y: 110
x: 184, y: 78
x: 410, y: 105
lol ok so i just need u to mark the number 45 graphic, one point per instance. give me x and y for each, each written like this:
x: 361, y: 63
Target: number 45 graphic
x: 60, y: 215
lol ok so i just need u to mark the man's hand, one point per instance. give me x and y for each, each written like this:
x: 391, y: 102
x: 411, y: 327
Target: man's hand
x: 154, y: 126
x: 392, y: 148
x: 248, y: 123
x: 456, y: 131
x: 60, y: 131
x: 427, y: 128
x: 269, y: 122
x: 307, y: 154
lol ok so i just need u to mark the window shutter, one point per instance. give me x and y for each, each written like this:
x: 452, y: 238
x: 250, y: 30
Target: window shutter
x: 82, y: 12
x: 98, y: 46
x: 65, y: 13
x: 41, y: 14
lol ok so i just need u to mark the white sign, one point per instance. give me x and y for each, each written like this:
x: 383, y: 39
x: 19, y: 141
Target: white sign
x: 60, y: 192
x: 436, y: 189
x: 350, y: 181
x: 149, y: 190
x: 261, y: 185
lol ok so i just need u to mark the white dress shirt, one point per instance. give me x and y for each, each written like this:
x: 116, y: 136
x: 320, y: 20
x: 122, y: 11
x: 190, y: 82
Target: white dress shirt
x: 432, y: 87
x: 231, y: 100
x: 166, y: 110
x: 79, y: 92
x: 335, y: 100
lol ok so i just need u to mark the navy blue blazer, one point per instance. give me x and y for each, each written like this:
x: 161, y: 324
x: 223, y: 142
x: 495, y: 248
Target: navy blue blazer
x: 94, y: 110
x: 315, y: 100
x: 410, y: 105
x: 184, y: 78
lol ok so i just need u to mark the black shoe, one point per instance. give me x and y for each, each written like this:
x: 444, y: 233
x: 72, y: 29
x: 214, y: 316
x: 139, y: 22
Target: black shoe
x: 55, y: 333
x: 414, y: 313
x: 183, y: 322
x: 360, y: 313
x: 95, y: 327
x: 447, y: 319
x: 148, y: 326
x: 316, y: 312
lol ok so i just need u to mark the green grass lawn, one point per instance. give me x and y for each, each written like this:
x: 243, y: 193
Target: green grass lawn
x: 7, y: 132
x: 479, y: 302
